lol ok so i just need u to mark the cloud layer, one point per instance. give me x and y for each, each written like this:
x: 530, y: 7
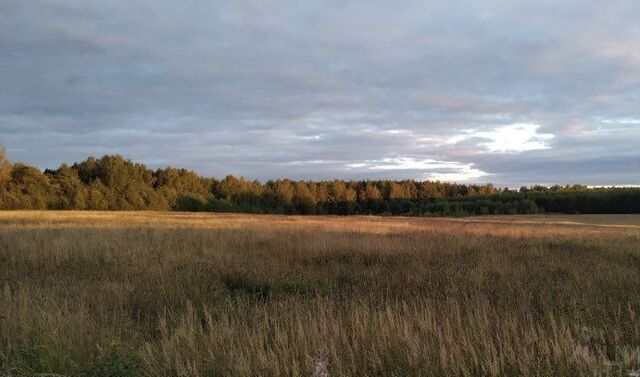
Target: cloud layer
x: 509, y: 92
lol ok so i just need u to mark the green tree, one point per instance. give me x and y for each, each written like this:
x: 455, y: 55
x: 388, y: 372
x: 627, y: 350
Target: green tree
x: 302, y: 199
x: 177, y: 185
x: 71, y: 193
x: 5, y: 165
x: 371, y: 192
x: 28, y: 188
x: 5, y: 172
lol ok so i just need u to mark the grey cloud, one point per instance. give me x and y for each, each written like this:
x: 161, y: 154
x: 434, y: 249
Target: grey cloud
x: 248, y: 87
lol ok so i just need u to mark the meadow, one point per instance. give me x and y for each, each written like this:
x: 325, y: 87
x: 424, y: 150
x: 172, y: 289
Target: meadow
x: 202, y: 294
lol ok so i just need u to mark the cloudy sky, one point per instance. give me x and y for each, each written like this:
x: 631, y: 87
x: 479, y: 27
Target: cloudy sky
x: 504, y: 91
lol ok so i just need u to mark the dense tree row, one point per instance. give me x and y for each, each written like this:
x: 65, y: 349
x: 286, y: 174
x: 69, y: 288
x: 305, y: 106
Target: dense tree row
x: 114, y: 183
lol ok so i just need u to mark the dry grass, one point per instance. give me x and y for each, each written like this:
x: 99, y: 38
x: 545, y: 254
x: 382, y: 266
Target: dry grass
x: 181, y: 294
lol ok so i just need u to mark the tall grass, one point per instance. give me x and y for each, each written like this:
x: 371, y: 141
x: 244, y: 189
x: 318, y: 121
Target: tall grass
x: 203, y: 295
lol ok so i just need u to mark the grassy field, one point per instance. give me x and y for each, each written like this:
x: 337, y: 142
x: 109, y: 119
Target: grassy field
x: 183, y: 294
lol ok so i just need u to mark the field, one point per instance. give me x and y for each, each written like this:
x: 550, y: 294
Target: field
x: 188, y: 294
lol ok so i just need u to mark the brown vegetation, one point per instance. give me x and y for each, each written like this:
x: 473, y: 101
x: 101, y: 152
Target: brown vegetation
x: 116, y: 184
x: 163, y: 294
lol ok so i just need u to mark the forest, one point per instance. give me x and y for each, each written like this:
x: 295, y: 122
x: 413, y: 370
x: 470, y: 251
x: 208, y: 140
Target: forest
x: 116, y: 183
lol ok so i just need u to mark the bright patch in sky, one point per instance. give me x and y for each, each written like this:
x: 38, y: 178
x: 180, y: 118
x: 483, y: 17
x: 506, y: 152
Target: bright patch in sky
x: 621, y: 121
x: 465, y: 173
x: 433, y: 169
x: 518, y: 137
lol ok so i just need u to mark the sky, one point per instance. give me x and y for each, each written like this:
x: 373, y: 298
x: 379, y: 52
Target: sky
x: 504, y: 91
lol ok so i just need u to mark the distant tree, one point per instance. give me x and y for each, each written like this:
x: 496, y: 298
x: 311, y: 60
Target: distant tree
x: 5, y: 177
x: 284, y: 191
x: 129, y: 186
x: 302, y: 199
x: 70, y: 191
x: 115, y: 183
x: 337, y: 190
x: 98, y: 196
x: 176, y: 185
x: 398, y: 191
x: 350, y: 195
x: 228, y: 188
x: 487, y: 189
x: 428, y: 190
x: 4, y: 162
x: 28, y: 188
x: 371, y: 192
x: 5, y: 168
x: 322, y: 192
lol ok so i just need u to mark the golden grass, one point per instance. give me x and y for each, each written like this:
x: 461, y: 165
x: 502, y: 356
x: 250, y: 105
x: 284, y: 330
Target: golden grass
x: 190, y: 294
x: 516, y: 226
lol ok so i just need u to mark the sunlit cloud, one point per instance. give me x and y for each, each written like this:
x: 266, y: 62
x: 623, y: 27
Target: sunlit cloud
x: 466, y: 173
x: 518, y: 137
x: 428, y: 168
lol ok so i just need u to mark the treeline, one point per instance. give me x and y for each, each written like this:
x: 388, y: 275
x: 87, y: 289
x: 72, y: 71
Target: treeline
x: 114, y: 183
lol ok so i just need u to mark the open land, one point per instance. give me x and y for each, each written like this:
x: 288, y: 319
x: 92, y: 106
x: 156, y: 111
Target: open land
x: 202, y: 294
